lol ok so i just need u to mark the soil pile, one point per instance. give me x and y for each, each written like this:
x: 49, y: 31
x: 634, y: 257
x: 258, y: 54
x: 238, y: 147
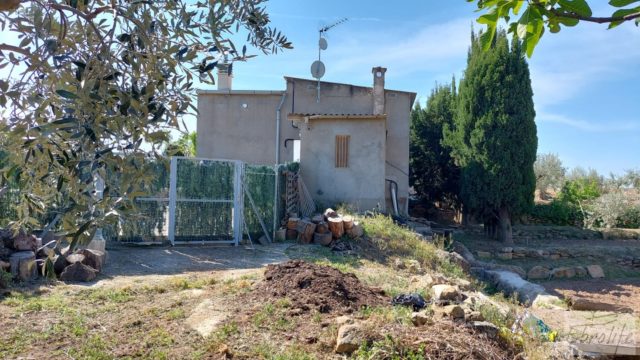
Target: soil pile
x: 315, y: 287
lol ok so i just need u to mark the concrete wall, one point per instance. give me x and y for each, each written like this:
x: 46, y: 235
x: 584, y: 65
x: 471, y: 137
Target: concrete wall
x: 361, y: 184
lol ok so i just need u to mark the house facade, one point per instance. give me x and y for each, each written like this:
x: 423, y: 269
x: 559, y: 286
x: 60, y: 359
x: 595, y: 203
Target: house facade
x: 353, y: 140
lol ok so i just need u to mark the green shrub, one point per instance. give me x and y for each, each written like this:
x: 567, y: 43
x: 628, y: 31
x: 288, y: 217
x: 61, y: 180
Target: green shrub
x: 557, y: 212
x: 630, y: 219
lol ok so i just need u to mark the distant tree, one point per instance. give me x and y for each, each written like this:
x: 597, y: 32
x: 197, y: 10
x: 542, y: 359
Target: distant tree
x: 186, y: 145
x: 494, y: 137
x: 549, y: 173
x: 529, y: 25
x: 434, y: 174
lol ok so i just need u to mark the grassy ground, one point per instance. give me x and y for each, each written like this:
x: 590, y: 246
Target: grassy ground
x: 148, y: 320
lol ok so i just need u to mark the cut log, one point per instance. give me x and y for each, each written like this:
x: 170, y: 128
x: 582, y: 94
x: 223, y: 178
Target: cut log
x: 292, y: 224
x: 356, y: 231
x: 93, y: 258
x: 323, y: 239
x: 316, y: 219
x: 281, y: 235
x: 330, y: 213
x: 292, y: 234
x: 306, y: 229
x: 322, y: 228
x: 75, y: 258
x: 336, y: 226
x: 348, y: 222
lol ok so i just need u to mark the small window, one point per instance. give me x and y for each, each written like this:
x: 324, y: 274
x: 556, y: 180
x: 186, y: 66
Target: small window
x: 342, y: 151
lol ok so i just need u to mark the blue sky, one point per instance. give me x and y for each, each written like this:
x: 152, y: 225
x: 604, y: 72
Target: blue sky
x: 586, y: 79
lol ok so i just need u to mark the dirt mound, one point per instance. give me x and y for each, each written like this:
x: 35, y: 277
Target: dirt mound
x: 315, y: 287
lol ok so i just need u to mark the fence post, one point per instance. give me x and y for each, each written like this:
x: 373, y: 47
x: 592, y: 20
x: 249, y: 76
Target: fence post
x: 276, y: 169
x: 238, y: 202
x: 173, y: 190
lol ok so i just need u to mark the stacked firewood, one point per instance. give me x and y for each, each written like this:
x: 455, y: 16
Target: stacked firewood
x: 322, y: 229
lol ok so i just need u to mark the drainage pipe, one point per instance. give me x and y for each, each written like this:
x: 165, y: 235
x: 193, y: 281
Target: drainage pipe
x: 284, y: 96
x: 393, y: 190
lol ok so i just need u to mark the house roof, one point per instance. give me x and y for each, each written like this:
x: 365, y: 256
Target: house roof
x: 307, y: 117
x: 412, y: 94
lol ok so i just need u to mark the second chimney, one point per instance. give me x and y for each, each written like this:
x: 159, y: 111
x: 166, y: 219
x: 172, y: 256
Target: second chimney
x: 378, y: 90
x: 225, y: 76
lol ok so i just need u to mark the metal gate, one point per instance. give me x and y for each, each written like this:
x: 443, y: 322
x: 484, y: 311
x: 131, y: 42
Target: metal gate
x: 205, y: 201
x: 195, y: 200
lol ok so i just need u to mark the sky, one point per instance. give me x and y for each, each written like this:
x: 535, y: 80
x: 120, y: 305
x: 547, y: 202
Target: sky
x: 586, y: 80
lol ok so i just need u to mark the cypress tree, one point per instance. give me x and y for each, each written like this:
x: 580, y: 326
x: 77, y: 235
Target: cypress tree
x: 434, y: 175
x: 494, y: 138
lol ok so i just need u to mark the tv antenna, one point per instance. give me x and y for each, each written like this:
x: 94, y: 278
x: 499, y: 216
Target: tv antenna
x: 318, y: 68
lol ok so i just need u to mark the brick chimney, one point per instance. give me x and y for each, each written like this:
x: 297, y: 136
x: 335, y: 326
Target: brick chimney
x: 378, y: 90
x: 225, y: 76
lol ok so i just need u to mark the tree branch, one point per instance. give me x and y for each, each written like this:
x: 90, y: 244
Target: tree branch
x: 15, y: 49
x: 594, y: 19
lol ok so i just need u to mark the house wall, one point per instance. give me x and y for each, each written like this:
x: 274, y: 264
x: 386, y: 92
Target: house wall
x: 228, y: 130
x: 361, y: 184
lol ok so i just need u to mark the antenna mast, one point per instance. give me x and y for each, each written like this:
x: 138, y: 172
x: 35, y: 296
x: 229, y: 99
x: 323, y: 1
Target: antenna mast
x: 317, y: 68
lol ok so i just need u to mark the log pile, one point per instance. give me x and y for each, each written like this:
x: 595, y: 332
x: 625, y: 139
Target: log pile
x: 321, y: 229
x: 25, y: 257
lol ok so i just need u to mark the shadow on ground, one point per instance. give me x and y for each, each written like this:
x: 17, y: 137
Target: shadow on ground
x: 168, y: 260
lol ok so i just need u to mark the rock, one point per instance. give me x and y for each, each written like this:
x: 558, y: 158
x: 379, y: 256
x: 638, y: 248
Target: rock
x: 23, y: 265
x: 344, y: 320
x: 24, y: 242
x: 443, y: 292
x: 510, y: 282
x: 463, y: 284
x: 595, y: 271
x: 506, y: 250
x: 554, y: 256
x: 398, y: 264
x: 451, y: 311
x: 505, y: 255
x: 474, y: 316
x: 349, y: 339
x: 5, y: 265
x: 538, y: 272
x: 414, y: 266
x: 262, y: 240
x: 483, y: 254
x: 78, y: 272
x: 580, y: 271
x: 563, y: 272
x: 93, y: 258
x: 459, y: 260
x: 546, y: 301
x: 580, y: 303
x: 59, y: 263
x: 486, y: 328
x: 421, y: 318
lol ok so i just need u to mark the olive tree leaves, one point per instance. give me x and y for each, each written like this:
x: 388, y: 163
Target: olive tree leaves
x: 93, y: 87
x: 538, y: 15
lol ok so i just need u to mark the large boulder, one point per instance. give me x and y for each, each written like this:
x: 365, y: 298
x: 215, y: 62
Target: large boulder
x: 450, y: 311
x: 444, y: 292
x: 595, y: 271
x: 78, y: 272
x: 93, y: 258
x: 421, y: 318
x: 350, y: 338
x: 486, y: 328
x: 512, y: 283
x: 563, y: 273
x: 538, y: 272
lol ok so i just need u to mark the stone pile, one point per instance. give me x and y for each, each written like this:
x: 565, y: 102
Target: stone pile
x: 24, y: 257
x: 514, y: 253
x: 564, y: 272
x: 629, y: 261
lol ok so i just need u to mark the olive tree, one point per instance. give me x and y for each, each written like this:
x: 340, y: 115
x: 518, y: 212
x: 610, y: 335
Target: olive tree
x: 93, y: 87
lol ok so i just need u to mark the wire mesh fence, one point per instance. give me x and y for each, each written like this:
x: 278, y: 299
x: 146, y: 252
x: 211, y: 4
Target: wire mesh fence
x: 260, y: 183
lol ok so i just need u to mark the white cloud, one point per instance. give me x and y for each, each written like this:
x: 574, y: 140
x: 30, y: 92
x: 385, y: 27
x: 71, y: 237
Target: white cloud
x: 605, y: 126
x: 566, y: 64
